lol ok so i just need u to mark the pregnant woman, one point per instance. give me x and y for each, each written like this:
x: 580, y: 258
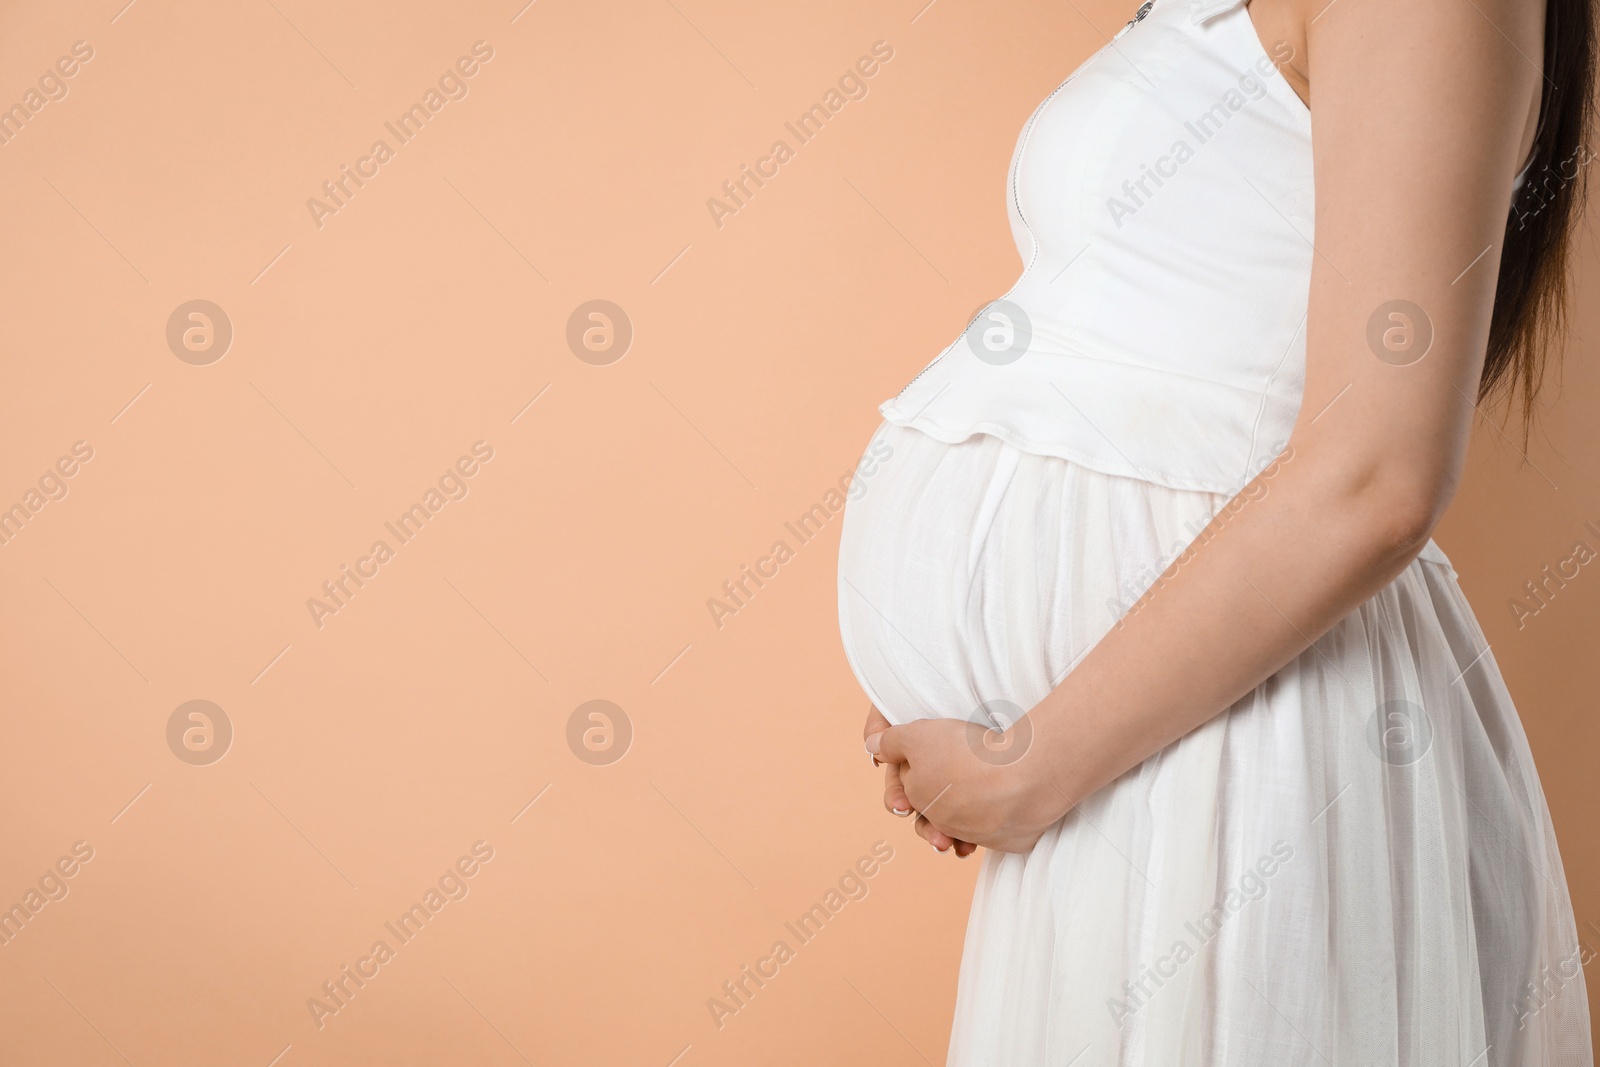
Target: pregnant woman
x: 1144, y: 596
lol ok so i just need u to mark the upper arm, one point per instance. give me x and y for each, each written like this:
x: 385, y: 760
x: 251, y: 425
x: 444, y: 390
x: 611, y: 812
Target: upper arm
x: 1420, y: 115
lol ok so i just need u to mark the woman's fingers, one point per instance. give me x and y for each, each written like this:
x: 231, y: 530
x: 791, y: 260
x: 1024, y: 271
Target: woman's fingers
x: 886, y: 746
x: 894, y: 793
x: 876, y: 723
x: 891, y: 743
x: 940, y: 840
x: 933, y: 837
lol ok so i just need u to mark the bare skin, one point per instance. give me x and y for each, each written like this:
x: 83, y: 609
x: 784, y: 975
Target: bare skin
x: 1425, y: 111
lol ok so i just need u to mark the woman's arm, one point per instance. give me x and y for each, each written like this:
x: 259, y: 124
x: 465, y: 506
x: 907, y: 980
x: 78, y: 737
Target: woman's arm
x: 1421, y: 120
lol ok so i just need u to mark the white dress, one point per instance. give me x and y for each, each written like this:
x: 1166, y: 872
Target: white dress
x: 1354, y: 865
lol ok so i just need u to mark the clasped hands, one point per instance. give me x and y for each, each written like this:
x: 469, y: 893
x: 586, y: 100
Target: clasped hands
x: 966, y: 784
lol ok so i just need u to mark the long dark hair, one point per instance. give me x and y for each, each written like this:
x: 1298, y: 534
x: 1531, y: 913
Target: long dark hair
x: 1530, y: 300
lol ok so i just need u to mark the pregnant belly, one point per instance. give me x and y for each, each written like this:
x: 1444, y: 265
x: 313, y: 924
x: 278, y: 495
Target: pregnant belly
x: 972, y: 576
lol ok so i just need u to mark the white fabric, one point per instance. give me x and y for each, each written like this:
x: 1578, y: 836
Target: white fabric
x: 1161, y: 200
x: 1357, y: 857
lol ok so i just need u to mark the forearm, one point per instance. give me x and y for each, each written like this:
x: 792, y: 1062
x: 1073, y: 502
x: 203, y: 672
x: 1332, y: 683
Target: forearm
x: 1300, y: 548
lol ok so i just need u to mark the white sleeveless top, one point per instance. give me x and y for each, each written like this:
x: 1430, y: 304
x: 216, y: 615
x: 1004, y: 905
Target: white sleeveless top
x: 1161, y: 199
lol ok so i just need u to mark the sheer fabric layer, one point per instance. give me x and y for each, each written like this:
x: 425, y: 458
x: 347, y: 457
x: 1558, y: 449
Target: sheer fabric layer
x: 1353, y: 865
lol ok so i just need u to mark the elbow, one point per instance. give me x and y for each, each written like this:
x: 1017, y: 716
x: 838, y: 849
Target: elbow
x: 1404, y: 516
x: 1393, y: 505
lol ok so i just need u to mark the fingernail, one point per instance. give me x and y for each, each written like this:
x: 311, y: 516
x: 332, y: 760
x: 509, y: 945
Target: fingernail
x: 873, y: 744
x: 937, y: 849
x: 902, y: 812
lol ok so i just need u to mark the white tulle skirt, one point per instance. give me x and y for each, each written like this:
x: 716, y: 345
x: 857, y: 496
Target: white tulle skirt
x: 1352, y: 867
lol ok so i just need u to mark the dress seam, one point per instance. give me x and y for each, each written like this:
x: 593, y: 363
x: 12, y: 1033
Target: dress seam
x: 1055, y: 451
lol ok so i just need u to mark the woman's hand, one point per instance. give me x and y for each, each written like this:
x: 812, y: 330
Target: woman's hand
x: 969, y: 785
x: 895, y: 799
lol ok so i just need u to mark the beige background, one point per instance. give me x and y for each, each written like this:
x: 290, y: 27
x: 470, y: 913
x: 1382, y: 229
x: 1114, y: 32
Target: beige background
x: 368, y: 354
